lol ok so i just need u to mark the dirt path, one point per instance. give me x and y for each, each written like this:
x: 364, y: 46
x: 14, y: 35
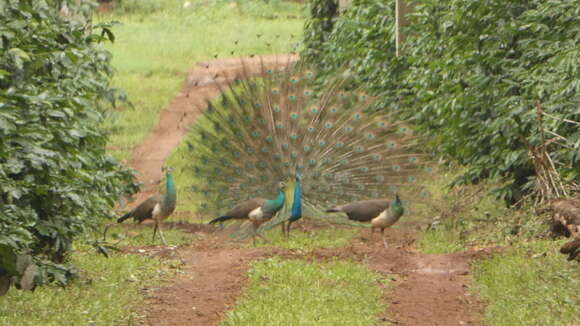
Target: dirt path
x: 428, y: 289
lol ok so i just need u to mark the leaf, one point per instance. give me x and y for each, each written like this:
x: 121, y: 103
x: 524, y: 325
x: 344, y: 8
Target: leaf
x: 109, y: 33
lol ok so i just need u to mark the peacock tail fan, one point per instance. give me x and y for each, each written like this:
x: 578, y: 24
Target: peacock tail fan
x: 261, y: 130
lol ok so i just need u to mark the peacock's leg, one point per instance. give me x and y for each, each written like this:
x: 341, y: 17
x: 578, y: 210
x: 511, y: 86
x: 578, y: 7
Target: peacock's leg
x: 383, y: 236
x: 288, y: 229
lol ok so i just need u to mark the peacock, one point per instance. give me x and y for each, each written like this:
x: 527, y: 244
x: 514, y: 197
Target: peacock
x: 256, y: 210
x: 157, y: 207
x: 262, y: 130
x: 382, y: 213
x: 296, y: 210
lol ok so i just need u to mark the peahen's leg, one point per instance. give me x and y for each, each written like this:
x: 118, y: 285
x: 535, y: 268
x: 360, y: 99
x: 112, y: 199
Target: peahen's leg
x: 383, y: 236
x: 158, y: 227
x: 284, y: 229
x: 254, y: 228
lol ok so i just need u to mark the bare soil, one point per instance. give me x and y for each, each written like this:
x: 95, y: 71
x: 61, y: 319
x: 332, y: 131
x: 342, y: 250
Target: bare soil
x: 427, y: 289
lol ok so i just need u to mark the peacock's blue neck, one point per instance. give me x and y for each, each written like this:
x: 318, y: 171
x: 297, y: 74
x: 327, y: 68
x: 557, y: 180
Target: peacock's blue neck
x: 296, y: 204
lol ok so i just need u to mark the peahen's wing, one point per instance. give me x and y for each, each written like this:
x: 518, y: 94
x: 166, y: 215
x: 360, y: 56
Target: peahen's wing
x: 243, y: 209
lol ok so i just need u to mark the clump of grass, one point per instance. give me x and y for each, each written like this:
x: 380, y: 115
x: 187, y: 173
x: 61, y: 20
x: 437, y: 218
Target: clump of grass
x: 295, y: 292
x: 530, y: 285
x: 107, y: 293
x: 328, y: 237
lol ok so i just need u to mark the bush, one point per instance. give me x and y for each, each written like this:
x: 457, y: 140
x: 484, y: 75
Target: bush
x: 471, y: 78
x: 56, y: 180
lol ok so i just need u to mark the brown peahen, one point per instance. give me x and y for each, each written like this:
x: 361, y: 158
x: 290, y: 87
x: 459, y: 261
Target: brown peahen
x: 157, y: 208
x: 262, y: 130
x: 381, y: 213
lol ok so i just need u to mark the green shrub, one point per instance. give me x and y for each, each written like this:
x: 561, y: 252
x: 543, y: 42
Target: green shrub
x: 471, y: 79
x: 56, y: 180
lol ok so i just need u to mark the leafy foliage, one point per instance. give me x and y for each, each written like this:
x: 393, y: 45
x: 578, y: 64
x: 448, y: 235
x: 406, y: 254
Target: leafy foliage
x: 56, y: 180
x: 471, y: 78
x: 319, y: 26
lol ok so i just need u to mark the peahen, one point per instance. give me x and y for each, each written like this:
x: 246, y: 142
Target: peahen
x: 296, y: 210
x: 381, y: 213
x: 262, y: 130
x: 157, y: 207
x: 256, y: 210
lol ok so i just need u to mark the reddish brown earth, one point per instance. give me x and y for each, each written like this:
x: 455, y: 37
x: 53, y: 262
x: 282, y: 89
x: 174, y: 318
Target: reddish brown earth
x: 427, y: 289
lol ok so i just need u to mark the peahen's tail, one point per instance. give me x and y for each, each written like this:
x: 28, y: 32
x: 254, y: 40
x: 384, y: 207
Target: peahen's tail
x: 124, y: 217
x: 220, y: 219
x: 333, y: 210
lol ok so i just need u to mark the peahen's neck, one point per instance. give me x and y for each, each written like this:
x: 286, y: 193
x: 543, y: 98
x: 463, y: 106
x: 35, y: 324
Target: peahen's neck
x: 296, y: 204
x: 170, y: 196
x: 397, y: 209
x: 274, y: 205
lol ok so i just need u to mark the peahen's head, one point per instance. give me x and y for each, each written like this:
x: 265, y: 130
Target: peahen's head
x: 282, y: 185
x: 397, y: 207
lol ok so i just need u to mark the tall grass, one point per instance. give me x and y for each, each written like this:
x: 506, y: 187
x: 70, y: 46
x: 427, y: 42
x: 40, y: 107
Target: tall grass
x: 158, y: 41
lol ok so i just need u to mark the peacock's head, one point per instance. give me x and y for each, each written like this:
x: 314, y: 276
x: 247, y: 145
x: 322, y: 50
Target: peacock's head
x: 166, y: 169
x: 298, y: 176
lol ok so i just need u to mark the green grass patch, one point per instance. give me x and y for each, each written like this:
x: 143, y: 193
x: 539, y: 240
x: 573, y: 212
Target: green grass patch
x: 141, y: 235
x: 294, y: 292
x: 328, y: 237
x: 531, y: 285
x: 154, y: 48
x: 107, y: 293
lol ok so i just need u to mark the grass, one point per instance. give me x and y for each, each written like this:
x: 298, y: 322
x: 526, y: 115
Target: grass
x: 328, y: 237
x: 158, y: 41
x: 141, y: 235
x: 294, y: 292
x: 107, y: 293
x: 530, y: 283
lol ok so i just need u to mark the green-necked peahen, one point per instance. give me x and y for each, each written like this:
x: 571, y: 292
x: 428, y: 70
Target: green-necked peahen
x: 157, y: 207
x: 263, y: 130
x: 382, y: 213
x: 256, y: 210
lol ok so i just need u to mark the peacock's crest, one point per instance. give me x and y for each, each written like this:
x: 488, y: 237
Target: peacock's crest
x: 261, y: 130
